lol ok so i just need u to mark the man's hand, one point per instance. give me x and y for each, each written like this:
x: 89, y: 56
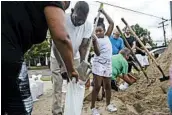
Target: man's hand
x: 74, y: 74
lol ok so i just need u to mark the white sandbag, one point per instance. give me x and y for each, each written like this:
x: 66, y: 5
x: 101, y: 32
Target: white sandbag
x: 145, y: 60
x: 39, y: 76
x: 40, y: 85
x: 74, y: 98
x: 123, y: 86
x: 34, y: 90
x: 34, y: 77
x: 142, y: 59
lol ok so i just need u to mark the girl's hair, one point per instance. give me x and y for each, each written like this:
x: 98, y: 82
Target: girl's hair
x: 100, y: 22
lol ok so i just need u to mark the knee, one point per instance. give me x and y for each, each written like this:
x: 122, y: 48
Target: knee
x: 97, y: 88
x: 108, y: 86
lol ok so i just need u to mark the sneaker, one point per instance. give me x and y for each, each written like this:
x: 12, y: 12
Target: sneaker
x: 95, y: 111
x: 111, y: 108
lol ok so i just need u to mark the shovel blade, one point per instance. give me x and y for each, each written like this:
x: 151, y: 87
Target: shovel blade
x: 84, y: 70
x: 164, y: 78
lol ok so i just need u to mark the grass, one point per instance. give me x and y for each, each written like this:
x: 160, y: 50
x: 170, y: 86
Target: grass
x: 38, y: 67
x: 48, y: 78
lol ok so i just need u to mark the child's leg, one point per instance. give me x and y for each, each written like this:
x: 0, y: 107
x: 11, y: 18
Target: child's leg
x: 103, y: 91
x: 107, y: 86
x: 96, y: 88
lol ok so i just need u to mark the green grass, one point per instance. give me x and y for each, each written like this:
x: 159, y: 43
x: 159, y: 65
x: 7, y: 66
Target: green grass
x: 48, y: 78
x: 37, y: 67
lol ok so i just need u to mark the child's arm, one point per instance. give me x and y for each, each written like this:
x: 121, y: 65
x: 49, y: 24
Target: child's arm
x: 95, y: 45
x: 110, y: 21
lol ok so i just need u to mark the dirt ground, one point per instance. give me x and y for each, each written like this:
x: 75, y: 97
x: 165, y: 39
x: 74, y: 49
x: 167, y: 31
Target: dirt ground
x: 138, y: 99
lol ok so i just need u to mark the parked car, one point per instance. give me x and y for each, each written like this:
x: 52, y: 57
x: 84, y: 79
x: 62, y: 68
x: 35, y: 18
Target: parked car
x: 158, y: 51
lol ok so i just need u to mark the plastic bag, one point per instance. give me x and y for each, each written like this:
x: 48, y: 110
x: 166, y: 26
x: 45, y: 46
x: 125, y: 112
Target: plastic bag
x: 74, y: 98
x: 33, y: 89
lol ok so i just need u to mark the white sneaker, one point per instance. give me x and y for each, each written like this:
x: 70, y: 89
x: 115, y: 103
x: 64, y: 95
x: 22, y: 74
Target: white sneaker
x: 111, y: 108
x: 95, y: 111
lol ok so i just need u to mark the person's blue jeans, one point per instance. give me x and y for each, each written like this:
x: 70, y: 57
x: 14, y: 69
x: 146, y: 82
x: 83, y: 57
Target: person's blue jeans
x: 170, y: 99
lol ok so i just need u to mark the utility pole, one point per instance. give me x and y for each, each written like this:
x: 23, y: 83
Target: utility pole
x: 164, y: 32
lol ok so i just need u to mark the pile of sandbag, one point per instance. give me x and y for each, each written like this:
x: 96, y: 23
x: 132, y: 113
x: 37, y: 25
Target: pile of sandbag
x: 36, y: 86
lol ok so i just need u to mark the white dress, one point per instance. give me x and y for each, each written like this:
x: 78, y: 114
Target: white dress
x: 102, y: 65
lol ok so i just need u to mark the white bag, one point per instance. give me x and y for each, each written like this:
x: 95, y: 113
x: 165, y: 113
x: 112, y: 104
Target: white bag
x: 74, y: 98
x: 34, y: 90
x: 40, y: 85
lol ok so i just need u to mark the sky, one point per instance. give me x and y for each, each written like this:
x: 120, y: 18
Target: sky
x: 160, y: 8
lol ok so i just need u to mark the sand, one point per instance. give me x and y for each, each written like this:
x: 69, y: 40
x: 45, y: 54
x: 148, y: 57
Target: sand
x: 141, y: 99
x: 138, y: 99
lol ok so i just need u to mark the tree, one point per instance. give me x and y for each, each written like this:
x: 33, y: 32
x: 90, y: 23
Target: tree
x: 141, y: 32
x: 38, y: 50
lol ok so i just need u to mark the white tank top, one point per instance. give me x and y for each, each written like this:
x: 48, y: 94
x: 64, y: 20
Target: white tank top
x: 105, y: 47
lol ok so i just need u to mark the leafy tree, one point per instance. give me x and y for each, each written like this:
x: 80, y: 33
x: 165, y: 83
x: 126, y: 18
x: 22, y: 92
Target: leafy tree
x: 38, y: 51
x: 142, y: 32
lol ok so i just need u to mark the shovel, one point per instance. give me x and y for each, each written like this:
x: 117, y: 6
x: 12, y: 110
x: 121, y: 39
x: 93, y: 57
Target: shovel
x: 132, y: 53
x: 163, y: 78
x: 84, y: 68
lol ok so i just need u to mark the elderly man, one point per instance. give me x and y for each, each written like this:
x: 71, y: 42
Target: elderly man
x: 120, y: 68
x: 117, y: 42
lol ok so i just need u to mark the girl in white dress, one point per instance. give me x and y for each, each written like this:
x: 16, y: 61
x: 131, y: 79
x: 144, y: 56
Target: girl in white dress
x: 102, y: 63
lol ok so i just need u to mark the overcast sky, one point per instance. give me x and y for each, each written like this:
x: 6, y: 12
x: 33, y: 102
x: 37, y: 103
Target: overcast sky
x: 160, y: 8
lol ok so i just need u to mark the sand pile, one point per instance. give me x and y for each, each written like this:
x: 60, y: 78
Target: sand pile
x: 140, y: 99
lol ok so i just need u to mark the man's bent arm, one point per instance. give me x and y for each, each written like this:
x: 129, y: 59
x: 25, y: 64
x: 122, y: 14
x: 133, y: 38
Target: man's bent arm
x: 55, y: 20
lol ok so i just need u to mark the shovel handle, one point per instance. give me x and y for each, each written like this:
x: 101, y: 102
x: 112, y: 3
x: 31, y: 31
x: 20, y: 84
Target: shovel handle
x: 137, y: 38
x: 97, y: 18
x: 132, y: 52
x: 124, y: 21
x: 95, y: 25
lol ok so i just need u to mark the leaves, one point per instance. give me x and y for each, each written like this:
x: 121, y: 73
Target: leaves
x: 142, y: 32
x: 38, y: 50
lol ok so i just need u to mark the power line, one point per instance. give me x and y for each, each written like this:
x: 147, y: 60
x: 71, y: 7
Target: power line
x: 132, y: 10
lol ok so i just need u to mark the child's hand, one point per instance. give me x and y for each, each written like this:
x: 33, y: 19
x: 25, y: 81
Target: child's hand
x: 94, y: 37
x: 102, y: 10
